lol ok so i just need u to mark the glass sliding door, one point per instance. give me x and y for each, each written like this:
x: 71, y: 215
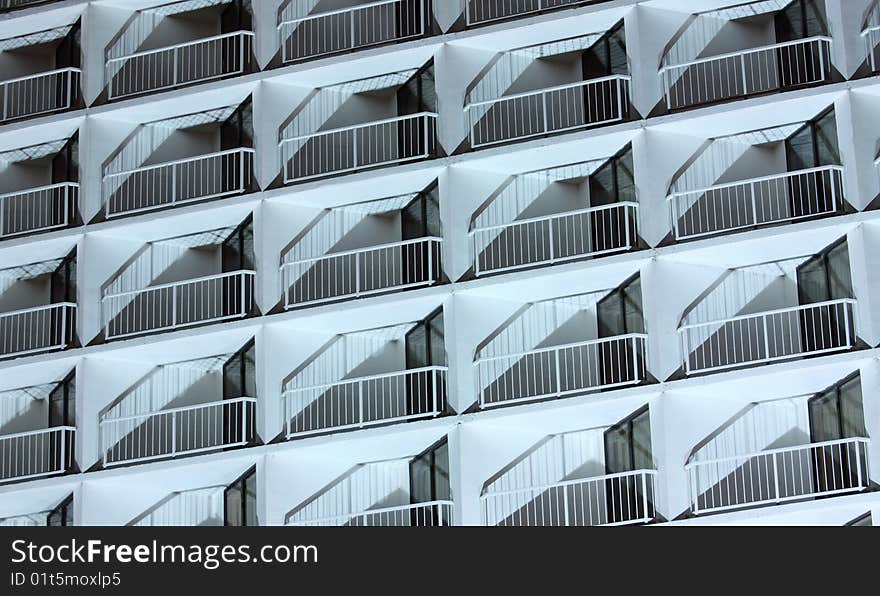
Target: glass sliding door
x: 814, y: 145
x: 239, y: 380
x: 612, y: 183
x: 237, y: 254
x: 62, y: 412
x: 425, y: 346
x: 801, y: 19
x: 240, y: 500
x: 628, y: 448
x: 429, y: 481
x: 421, y: 219
x: 620, y: 313
x: 825, y: 277
x: 62, y: 514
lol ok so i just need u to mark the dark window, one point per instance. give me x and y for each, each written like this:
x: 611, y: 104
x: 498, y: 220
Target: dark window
x: 63, y: 280
x: 62, y: 402
x: 814, y: 145
x: 627, y: 449
x: 237, y: 17
x: 240, y: 500
x: 620, y: 312
x: 238, y: 248
x: 62, y: 515
x: 801, y: 19
x: 425, y: 344
x: 65, y: 164
x: 826, y: 276
x: 429, y: 474
x: 418, y: 93
x: 239, y: 373
x: 607, y: 56
x: 238, y: 130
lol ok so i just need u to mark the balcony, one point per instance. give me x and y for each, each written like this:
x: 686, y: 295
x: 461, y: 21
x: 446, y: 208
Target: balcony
x: 197, y: 507
x: 561, y: 371
x: 178, y: 182
x: 820, y: 328
x: 554, y: 238
x: 552, y: 110
x: 197, y: 61
x: 871, y: 35
x: 346, y: 29
x: 486, y: 11
x: 39, y: 329
x: 780, y: 475
x: 781, y: 198
x: 432, y: 513
x: 747, y: 72
x: 173, y: 432
x: 176, y: 305
x: 382, y: 142
x: 36, y: 453
x: 365, y: 401
x: 39, y: 93
x: 610, y: 500
x: 38, y: 209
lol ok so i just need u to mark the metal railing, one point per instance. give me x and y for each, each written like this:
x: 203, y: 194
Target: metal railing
x: 184, y: 63
x: 871, y: 35
x: 610, y: 500
x: 485, y: 11
x: 359, y: 26
x: 178, y: 304
x: 195, y: 507
x: 361, y: 272
x: 554, y: 238
x: 747, y: 72
x: 394, y: 140
x: 38, y: 209
x: 181, y: 181
x: 769, y: 336
x: 563, y: 370
x: 185, y: 430
x: 36, y: 453
x: 38, y: 329
x: 39, y: 93
x: 779, y: 475
x: 791, y: 196
x: 365, y: 401
x: 554, y: 109
x: 430, y: 513
x: 13, y: 4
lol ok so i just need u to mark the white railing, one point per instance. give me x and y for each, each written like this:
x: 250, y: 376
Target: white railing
x: 769, y: 336
x: 38, y: 209
x: 196, y: 507
x: 554, y: 109
x: 779, y: 475
x: 365, y: 401
x: 395, y: 140
x: 562, y: 370
x: 554, y: 238
x: 178, y: 304
x: 168, y: 184
x: 361, y: 272
x: 484, y: 11
x: 611, y: 500
x: 791, y: 196
x: 747, y: 72
x: 38, y: 329
x: 28, y: 520
x: 364, y: 25
x: 36, y: 453
x: 431, y: 513
x: 39, y: 93
x: 178, y: 431
x: 12, y: 4
x: 871, y: 35
x: 190, y: 62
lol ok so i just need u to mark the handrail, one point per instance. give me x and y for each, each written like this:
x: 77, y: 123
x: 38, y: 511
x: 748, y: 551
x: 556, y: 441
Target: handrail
x: 696, y: 463
x: 318, y: 15
x: 553, y: 216
x: 179, y: 161
x: 832, y: 168
x: 548, y: 90
x: 563, y: 346
x: 366, y: 512
x: 36, y: 308
x: 180, y: 283
x: 543, y: 487
x: 754, y: 50
x: 39, y: 431
x: 25, y: 191
x: 366, y: 378
x: 363, y: 250
x: 768, y: 313
x: 180, y: 45
x: 164, y: 411
x: 356, y: 126
x: 41, y: 74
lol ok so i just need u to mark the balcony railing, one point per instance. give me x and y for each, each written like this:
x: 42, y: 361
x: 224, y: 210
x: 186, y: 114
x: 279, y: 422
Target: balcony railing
x: 554, y: 238
x: 431, y: 513
x: 178, y: 431
x: 196, y: 507
x: 360, y: 26
x: 38, y: 329
x: 182, y: 181
x: 552, y: 110
x: 769, y: 336
x: 779, y: 475
x: 36, y: 453
x: 38, y: 209
x: 178, y: 304
x: 871, y: 35
x: 563, y: 370
x: 747, y: 72
x: 182, y: 64
x: 485, y: 11
x: 611, y: 500
x: 361, y: 272
x: 39, y: 93
x: 365, y: 401
x: 13, y: 4
x: 788, y: 197
x: 383, y: 142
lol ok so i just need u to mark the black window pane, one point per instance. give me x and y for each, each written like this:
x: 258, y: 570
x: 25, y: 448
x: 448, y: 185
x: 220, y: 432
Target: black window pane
x: 442, y: 491
x: 852, y: 413
x: 839, y: 274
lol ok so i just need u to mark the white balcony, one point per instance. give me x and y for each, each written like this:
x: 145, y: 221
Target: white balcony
x: 197, y: 507
x: 747, y: 72
x: 346, y: 29
x: 871, y: 36
x: 561, y: 371
x: 486, y: 11
x: 382, y: 142
x: 39, y: 93
x: 813, y: 329
x: 181, y: 64
x: 38, y: 209
x: 554, y: 238
x: 36, y: 453
x: 788, y: 197
x: 555, y: 109
x: 432, y: 513
x: 179, y: 431
x: 39, y: 329
x: 780, y: 475
x: 610, y: 500
x: 365, y: 401
x: 175, y: 305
